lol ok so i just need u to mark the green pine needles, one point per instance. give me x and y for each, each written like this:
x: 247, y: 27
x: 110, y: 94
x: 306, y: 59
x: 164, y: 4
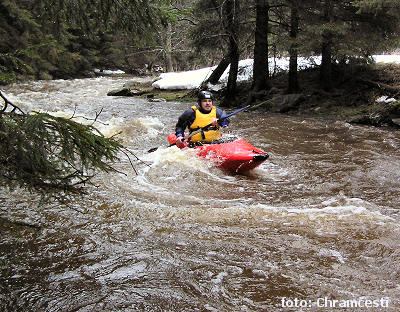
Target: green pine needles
x: 42, y: 152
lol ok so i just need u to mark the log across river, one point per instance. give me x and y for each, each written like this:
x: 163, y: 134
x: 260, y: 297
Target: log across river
x: 319, y: 219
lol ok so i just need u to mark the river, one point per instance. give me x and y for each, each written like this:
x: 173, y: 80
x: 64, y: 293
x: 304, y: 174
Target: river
x: 319, y: 219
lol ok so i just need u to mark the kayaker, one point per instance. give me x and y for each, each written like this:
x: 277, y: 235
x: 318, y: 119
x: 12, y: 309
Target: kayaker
x: 199, y: 116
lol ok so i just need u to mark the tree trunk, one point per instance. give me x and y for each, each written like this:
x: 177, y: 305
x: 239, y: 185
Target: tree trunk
x: 232, y: 14
x: 219, y: 70
x: 168, y: 49
x: 326, y: 50
x: 233, y: 71
x: 293, y: 52
x: 260, y: 68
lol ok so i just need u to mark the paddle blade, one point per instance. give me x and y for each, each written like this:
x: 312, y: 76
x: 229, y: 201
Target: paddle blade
x: 171, y: 140
x: 152, y: 150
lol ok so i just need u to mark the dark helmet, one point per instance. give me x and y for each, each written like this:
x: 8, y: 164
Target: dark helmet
x: 205, y: 95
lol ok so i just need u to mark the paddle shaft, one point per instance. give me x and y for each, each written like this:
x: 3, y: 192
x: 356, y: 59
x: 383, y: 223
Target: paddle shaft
x: 236, y: 111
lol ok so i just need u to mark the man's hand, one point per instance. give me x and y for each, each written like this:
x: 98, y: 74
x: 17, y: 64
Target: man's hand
x: 180, y: 142
x: 214, y: 122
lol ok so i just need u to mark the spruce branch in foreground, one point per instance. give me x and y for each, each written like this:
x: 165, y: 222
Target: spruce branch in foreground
x: 45, y: 153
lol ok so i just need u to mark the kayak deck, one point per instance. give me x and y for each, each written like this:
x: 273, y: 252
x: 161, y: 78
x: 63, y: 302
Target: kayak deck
x: 236, y: 156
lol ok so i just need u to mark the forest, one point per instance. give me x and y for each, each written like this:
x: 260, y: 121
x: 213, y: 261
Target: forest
x: 46, y: 39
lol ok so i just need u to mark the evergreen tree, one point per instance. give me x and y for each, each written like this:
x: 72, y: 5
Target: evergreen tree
x: 223, y: 31
x: 293, y: 83
x: 327, y: 45
x: 260, y: 68
x: 19, y: 34
x: 343, y: 30
x: 46, y: 38
x: 232, y: 12
x: 173, y: 28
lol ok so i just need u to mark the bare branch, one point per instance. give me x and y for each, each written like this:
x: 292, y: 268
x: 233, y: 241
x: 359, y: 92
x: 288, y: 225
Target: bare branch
x: 8, y: 102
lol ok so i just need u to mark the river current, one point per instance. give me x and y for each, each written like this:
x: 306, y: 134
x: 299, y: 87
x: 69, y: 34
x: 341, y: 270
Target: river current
x: 319, y: 219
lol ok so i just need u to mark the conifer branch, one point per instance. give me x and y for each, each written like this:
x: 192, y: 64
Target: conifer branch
x: 46, y: 153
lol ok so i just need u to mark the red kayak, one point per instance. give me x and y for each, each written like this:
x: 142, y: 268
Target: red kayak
x: 236, y: 156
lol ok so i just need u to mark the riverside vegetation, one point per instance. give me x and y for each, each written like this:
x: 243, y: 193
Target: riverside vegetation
x: 362, y: 94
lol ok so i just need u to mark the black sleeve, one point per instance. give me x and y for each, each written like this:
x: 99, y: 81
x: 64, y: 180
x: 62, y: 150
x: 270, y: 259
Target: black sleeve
x: 221, y: 115
x: 184, y: 121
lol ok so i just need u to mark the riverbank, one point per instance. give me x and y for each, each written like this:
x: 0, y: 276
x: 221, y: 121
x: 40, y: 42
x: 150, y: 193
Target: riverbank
x: 365, y: 94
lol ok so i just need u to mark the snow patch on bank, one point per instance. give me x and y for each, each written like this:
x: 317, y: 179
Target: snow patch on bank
x: 385, y: 99
x: 194, y: 78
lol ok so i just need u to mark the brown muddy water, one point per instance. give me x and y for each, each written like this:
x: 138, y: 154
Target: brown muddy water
x: 318, y: 222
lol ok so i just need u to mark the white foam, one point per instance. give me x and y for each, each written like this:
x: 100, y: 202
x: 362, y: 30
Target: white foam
x: 152, y: 125
x: 163, y: 157
x: 108, y: 128
x: 109, y: 71
x: 324, y: 252
x: 111, y: 127
x: 169, y: 158
x: 219, y: 278
x: 114, y: 125
x: 132, y: 272
x: 340, y: 207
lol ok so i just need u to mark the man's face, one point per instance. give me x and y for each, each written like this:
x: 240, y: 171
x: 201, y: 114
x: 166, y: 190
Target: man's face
x: 206, y: 104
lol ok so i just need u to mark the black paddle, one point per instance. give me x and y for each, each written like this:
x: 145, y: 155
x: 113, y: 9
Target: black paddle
x: 205, y: 128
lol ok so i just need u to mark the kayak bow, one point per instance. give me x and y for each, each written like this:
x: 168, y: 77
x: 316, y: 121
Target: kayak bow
x: 237, y: 156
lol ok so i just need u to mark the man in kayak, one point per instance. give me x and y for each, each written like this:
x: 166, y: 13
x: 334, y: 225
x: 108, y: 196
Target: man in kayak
x: 199, y: 116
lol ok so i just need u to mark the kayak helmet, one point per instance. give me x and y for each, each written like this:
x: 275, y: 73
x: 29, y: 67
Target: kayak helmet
x: 205, y: 95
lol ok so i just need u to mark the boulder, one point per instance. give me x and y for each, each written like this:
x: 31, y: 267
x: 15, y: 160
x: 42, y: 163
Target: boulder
x: 375, y: 119
x: 396, y: 121
x: 120, y: 92
x: 88, y: 74
x: 394, y: 109
x: 125, y: 92
x: 45, y: 76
